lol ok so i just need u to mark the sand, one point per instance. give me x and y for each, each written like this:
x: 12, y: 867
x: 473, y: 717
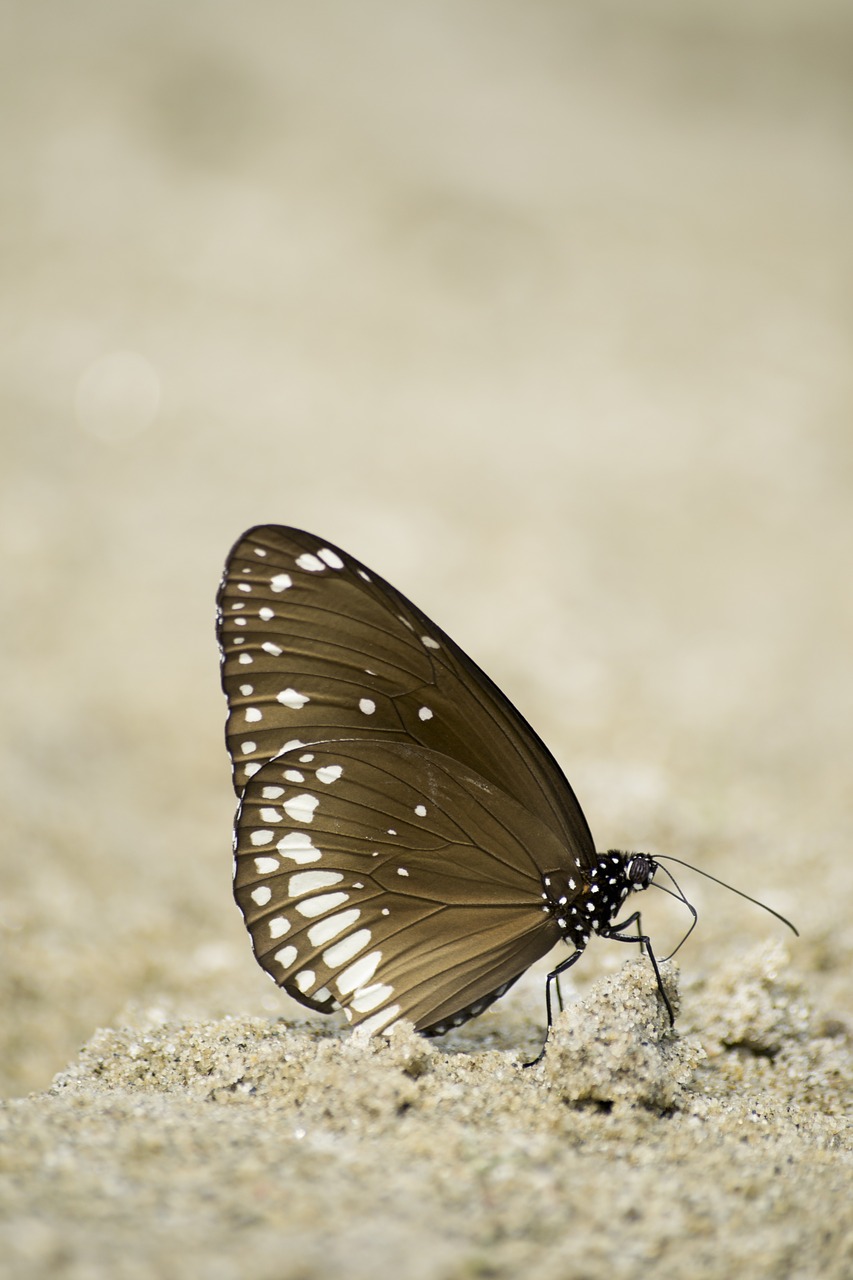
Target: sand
x: 179, y: 1148
x: 543, y: 312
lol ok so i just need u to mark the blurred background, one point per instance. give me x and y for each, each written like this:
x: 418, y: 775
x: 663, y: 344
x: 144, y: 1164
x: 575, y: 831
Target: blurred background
x: 545, y: 312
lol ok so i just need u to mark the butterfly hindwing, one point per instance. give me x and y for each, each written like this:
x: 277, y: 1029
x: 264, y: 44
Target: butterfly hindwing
x: 386, y: 878
x: 315, y: 647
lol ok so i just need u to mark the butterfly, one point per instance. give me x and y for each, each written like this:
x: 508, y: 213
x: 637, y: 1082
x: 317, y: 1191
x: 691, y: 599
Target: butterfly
x: 405, y: 844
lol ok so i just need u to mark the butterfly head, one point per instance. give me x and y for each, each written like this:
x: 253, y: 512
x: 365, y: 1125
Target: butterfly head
x: 639, y: 869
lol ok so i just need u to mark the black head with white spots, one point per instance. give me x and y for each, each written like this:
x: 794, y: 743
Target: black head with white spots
x: 586, y: 900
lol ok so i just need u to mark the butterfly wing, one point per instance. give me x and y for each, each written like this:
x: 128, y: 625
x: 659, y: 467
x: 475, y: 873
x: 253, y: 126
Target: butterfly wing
x: 387, y: 878
x: 315, y: 647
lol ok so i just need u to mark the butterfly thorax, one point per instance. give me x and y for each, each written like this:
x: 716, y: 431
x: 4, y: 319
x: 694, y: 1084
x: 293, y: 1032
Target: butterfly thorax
x: 585, y: 900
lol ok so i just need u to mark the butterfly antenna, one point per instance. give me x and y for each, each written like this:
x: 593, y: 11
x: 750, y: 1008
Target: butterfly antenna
x: 740, y: 893
x: 679, y: 897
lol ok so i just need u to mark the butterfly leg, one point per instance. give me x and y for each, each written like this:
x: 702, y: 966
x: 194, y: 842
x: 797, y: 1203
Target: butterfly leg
x: 616, y: 932
x: 553, y: 977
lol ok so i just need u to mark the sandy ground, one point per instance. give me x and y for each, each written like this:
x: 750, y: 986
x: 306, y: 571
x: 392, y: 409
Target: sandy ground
x: 544, y: 312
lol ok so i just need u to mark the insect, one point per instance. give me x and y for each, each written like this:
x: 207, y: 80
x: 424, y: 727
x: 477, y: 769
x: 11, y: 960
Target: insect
x: 405, y: 845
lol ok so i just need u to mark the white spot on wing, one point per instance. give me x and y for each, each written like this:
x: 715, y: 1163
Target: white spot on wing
x: 272, y: 793
x: 293, y: 775
x: 262, y: 837
x: 248, y: 747
x: 309, y: 881
x: 429, y: 643
x: 310, y: 563
x: 247, y: 690
x: 312, y: 907
x: 424, y: 714
x: 270, y: 815
x: 322, y: 932
x: 420, y: 810
x: 253, y: 715
x: 279, y: 927
x: 359, y: 973
x: 297, y: 846
x: 305, y: 979
x: 246, y: 659
x: 265, y: 866
x: 301, y: 808
x: 333, y: 560
x: 347, y: 949
x: 368, y: 998
x: 286, y: 956
x: 290, y: 698
x: 261, y: 895
x: 273, y: 649
x: 367, y: 705
x: 281, y: 582
x: 378, y: 1021
x: 266, y: 614
x: 329, y: 773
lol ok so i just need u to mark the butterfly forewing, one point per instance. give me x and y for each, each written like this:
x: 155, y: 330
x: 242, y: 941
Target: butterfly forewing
x: 315, y: 647
x: 385, y: 877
